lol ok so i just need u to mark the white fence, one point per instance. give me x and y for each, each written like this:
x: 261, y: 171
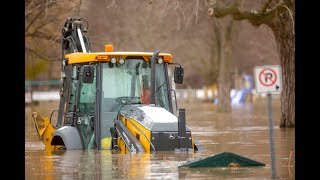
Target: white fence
x: 185, y: 94
x: 202, y: 95
x: 42, y: 96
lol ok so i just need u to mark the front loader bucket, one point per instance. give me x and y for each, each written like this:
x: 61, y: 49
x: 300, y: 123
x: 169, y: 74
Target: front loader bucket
x: 44, y: 129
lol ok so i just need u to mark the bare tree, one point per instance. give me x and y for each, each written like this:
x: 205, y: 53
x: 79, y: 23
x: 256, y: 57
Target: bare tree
x: 279, y: 15
x: 225, y: 66
x: 43, y: 23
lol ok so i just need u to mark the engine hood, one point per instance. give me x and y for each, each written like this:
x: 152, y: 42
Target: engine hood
x: 153, y: 118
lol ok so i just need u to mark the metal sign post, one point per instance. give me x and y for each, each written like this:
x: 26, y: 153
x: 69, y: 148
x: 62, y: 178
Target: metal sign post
x: 268, y: 80
x: 272, y: 151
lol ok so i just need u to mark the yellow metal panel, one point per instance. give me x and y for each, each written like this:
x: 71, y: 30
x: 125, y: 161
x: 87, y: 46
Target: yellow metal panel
x: 135, y: 128
x: 106, y: 143
x: 80, y: 57
x: 47, y: 135
x: 144, y: 134
x: 44, y: 129
x: 122, y: 146
x: 192, y: 141
x: 75, y: 58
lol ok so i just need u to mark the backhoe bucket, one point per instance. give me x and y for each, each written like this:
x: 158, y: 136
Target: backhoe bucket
x: 44, y: 129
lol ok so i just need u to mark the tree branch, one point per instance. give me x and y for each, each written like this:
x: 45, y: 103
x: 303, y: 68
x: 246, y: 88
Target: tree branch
x: 42, y: 56
x: 40, y: 26
x: 42, y: 35
x: 266, y: 5
x: 34, y: 19
x: 253, y: 16
x: 79, y: 6
x: 194, y: 12
x: 112, y: 4
x: 291, y: 18
x: 29, y: 11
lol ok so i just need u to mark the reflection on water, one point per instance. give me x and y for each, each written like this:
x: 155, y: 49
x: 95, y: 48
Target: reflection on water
x: 245, y: 132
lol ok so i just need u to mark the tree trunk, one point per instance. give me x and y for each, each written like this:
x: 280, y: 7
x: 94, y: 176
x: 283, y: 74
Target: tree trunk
x: 283, y: 30
x: 279, y: 15
x: 225, y: 72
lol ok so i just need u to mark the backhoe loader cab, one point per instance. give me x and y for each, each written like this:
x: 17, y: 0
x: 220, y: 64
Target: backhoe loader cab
x: 104, y: 102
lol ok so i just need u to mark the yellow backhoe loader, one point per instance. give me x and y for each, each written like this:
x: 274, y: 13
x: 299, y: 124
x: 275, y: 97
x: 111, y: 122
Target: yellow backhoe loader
x: 115, y: 100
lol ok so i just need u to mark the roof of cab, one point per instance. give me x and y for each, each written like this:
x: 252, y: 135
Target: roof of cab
x: 80, y: 57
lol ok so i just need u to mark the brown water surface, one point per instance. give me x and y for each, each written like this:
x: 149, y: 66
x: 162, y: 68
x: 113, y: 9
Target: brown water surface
x: 245, y: 132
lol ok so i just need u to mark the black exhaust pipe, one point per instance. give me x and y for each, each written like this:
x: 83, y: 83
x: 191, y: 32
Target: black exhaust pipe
x: 153, y: 76
x: 182, y: 130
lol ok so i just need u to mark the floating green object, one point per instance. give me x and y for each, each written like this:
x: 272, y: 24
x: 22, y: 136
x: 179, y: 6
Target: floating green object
x: 225, y: 159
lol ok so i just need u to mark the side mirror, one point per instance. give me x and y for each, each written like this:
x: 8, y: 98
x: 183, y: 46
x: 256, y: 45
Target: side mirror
x: 87, y: 74
x: 178, y: 74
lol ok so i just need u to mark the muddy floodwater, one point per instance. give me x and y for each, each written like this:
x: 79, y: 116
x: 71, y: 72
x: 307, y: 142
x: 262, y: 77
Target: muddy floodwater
x: 244, y: 132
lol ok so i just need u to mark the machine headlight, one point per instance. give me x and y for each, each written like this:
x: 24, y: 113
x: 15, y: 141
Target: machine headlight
x: 113, y: 60
x: 121, y: 61
x: 160, y: 60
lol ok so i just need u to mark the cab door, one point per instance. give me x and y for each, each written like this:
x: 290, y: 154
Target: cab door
x: 86, y: 108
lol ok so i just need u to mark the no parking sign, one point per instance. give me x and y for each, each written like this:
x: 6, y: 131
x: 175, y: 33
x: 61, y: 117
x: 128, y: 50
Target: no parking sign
x: 268, y: 79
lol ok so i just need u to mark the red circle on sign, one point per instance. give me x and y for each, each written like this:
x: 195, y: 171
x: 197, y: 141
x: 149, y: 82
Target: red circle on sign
x: 263, y: 74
